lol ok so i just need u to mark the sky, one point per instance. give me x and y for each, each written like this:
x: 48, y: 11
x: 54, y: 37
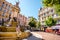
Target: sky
x: 28, y: 7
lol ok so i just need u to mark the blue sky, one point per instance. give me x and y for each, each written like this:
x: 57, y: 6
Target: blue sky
x: 29, y: 7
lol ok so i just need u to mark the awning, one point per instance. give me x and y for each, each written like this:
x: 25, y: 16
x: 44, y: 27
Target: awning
x: 56, y: 27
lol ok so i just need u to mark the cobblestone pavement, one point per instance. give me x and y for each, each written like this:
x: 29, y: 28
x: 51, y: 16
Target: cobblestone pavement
x: 49, y: 36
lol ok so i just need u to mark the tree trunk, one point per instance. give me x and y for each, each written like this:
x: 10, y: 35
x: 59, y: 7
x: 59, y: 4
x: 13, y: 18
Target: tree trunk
x: 45, y: 28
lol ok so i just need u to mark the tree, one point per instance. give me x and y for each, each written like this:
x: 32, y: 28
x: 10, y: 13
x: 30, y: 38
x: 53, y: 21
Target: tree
x: 32, y: 22
x: 52, y: 3
x: 50, y: 22
x: 38, y: 24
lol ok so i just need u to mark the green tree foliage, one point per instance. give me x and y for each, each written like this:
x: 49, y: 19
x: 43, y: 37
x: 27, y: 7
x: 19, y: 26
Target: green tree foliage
x: 57, y: 9
x: 32, y: 22
x: 52, y: 3
x: 38, y: 24
x: 50, y: 22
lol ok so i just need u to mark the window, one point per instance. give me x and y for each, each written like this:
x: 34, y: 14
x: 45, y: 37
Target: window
x: 10, y: 12
x: 44, y: 18
x: 47, y: 12
x: 3, y: 14
x: 42, y: 21
x: 57, y: 15
x: 9, y: 7
x: 58, y: 20
x: 38, y: 15
x: 0, y: 8
x: 5, y: 11
x: 3, y: 4
x: 52, y: 15
x: 44, y: 14
x: 6, y: 5
x: 52, y: 10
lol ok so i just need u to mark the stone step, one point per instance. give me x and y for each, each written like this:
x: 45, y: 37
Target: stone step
x: 8, y: 38
x: 8, y: 34
x: 8, y: 29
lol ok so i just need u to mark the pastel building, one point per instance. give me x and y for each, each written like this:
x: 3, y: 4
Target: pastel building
x: 22, y: 20
x: 8, y: 10
x: 44, y: 13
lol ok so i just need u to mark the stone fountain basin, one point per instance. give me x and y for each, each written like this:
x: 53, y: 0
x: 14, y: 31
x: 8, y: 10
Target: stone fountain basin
x: 13, y: 35
x: 8, y: 36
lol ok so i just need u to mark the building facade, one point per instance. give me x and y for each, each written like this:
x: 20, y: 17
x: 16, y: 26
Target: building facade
x: 28, y: 20
x: 44, y: 13
x: 8, y: 10
x: 5, y: 9
x: 22, y: 20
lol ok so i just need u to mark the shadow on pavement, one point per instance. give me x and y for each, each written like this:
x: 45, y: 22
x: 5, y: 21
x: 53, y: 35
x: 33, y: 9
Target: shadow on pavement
x: 33, y: 38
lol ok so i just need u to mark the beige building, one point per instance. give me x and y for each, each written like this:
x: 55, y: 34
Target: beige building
x: 22, y: 20
x: 44, y: 13
x: 13, y: 11
x: 28, y: 20
x: 7, y: 9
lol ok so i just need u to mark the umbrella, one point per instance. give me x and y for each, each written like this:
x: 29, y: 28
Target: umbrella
x: 56, y: 27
